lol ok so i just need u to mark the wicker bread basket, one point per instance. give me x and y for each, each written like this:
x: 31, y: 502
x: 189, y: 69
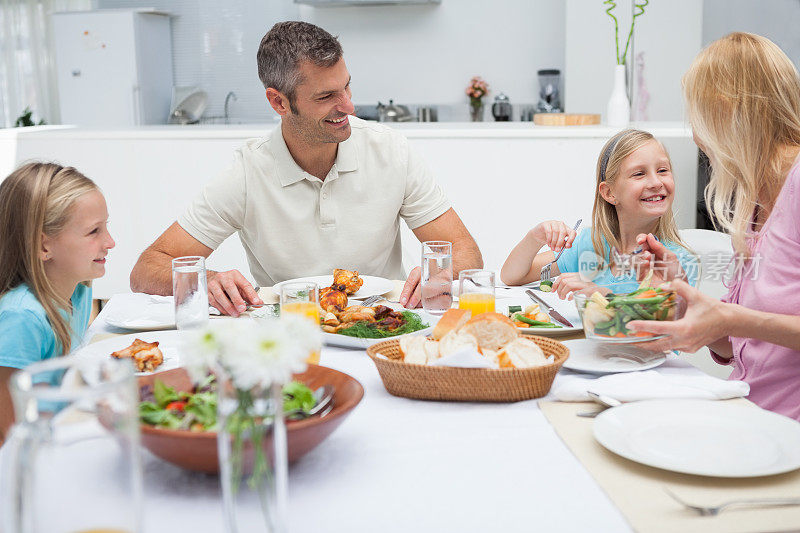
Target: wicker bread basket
x: 425, y: 382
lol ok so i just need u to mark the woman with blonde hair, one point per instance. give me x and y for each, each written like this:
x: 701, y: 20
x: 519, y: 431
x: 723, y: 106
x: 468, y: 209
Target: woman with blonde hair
x: 743, y: 100
x: 633, y: 195
x: 53, y: 240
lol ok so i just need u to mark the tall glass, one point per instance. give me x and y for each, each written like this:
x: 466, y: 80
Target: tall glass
x: 190, y: 291
x: 437, y: 276
x: 72, y: 460
x: 302, y: 299
x: 476, y: 291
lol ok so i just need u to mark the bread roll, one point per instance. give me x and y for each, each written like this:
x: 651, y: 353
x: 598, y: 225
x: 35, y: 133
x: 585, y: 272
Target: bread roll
x: 450, y: 321
x: 521, y: 353
x: 431, y: 350
x: 491, y: 355
x: 413, y: 349
x: 455, y: 342
x: 492, y: 330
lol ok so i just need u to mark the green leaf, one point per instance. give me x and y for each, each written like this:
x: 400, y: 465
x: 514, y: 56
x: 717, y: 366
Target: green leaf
x: 164, y: 394
x: 297, y: 395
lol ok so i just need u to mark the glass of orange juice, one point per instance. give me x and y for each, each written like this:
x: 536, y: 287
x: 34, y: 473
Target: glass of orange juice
x: 476, y: 291
x: 302, y: 299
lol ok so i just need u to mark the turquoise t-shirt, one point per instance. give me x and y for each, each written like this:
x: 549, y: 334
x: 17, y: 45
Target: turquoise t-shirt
x: 581, y: 257
x: 25, y: 333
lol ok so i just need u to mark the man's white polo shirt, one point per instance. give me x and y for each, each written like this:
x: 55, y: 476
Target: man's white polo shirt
x: 293, y: 224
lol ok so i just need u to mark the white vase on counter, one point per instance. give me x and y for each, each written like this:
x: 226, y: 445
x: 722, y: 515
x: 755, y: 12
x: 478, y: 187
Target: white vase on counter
x: 618, y: 112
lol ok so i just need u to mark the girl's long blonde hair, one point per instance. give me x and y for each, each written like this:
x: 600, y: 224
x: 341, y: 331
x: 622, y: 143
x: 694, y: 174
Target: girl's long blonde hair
x: 605, y: 222
x: 743, y: 103
x: 36, y: 200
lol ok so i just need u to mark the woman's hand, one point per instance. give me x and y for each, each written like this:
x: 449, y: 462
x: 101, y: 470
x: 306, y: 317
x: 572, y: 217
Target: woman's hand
x: 568, y: 284
x: 656, y: 257
x: 554, y: 234
x: 704, y: 322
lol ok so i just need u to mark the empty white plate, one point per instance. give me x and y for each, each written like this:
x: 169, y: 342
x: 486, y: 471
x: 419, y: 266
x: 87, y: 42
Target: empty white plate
x: 603, y: 358
x: 702, y: 437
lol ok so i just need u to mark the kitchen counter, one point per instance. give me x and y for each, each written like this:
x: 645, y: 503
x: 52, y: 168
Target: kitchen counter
x: 416, y: 130
x: 501, y: 177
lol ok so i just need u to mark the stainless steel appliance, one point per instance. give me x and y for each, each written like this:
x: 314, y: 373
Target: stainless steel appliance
x: 549, y: 101
x: 393, y: 113
x: 501, y: 108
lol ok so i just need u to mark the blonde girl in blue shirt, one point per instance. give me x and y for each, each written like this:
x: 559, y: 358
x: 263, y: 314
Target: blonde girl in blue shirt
x: 633, y: 199
x: 53, y: 240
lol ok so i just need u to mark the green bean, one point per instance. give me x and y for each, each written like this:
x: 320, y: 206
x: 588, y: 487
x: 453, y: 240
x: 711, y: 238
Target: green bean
x: 643, y: 312
x: 537, y: 323
x: 616, y: 302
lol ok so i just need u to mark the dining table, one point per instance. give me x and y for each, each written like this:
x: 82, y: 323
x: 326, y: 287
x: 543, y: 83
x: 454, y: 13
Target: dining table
x: 400, y: 465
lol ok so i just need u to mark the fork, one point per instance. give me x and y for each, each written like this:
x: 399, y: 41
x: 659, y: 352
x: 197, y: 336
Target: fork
x: 371, y: 300
x: 716, y: 509
x: 544, y: 275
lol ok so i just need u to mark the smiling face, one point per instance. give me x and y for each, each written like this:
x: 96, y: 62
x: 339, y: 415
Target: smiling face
x: 77, y: 253
x: 643, y: 188
x: 322, y: 103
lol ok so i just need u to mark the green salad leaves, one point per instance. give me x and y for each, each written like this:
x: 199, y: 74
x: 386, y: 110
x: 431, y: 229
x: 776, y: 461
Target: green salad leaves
x: 165, y: 407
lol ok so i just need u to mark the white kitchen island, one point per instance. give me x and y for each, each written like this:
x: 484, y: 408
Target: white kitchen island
x: 502, y: 178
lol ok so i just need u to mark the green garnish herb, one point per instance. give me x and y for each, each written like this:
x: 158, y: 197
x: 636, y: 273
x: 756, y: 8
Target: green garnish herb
x: 368, y: 330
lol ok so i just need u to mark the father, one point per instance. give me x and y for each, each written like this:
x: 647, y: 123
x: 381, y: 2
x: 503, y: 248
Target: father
x: 325, y: 190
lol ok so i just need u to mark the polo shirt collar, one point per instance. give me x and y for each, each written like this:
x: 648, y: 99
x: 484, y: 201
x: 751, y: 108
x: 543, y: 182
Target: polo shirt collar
x: 289, y: 171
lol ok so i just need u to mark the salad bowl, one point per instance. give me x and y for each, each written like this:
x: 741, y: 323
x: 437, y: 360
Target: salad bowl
x: 197, y: 450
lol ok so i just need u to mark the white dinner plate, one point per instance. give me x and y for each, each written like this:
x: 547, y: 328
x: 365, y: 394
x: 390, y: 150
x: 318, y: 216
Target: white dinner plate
x: 344, y: 341
x: 373, y: 286
x: 702, y: 437
x: 602, y: 358
x: 567, y: 309
x: 169, y: 342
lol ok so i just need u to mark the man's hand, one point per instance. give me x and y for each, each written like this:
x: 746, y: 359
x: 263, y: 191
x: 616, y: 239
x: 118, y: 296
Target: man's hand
x: 703, y: 323
x: 230, y: 292
x: 570, y: 283
x: 411, y: 295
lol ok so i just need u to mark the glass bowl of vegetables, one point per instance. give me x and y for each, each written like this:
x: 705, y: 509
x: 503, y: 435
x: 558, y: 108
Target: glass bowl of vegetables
x: 605, y: 317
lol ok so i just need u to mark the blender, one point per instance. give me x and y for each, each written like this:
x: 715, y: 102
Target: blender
x: 549, y: 101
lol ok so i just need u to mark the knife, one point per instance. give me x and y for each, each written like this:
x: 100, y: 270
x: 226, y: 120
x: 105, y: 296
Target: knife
x: 552, y: 312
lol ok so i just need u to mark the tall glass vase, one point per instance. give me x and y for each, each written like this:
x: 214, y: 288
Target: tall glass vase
x: 251, y: 443
x: 476, y: 112
x: 618, y: 112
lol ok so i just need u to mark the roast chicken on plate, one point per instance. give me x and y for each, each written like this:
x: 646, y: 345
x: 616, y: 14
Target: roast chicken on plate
x: 349, y: 278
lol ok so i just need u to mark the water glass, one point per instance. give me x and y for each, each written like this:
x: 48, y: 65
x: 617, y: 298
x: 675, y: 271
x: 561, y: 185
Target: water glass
x: 190, y: 291
x: 437, y: 276
x: 302, y: 298
x: 476, y: 291
x: 72, y: 461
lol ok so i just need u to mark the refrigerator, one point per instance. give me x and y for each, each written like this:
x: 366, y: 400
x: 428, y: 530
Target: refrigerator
x: 114, y: 67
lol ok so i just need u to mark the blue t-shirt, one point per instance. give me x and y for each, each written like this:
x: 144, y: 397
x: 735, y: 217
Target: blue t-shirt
x: 582, y: 258
x: 25, y: 333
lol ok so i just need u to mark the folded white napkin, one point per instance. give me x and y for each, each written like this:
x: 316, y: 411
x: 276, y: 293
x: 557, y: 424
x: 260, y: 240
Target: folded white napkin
x: 467, y: 358
x: 651, y: 385
x: 168, y: 300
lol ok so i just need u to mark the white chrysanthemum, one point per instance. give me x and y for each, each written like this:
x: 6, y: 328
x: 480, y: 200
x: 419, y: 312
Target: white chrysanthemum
x: 202, y: 350
x: 260, y: 352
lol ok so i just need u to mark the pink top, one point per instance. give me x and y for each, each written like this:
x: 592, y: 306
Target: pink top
x: 772, y: 284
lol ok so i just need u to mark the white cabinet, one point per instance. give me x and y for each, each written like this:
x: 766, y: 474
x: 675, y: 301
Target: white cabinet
x: 114, y: 67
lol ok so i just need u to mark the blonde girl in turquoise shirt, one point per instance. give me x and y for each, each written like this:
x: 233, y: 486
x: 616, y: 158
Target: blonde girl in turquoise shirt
x: 633, y: 196
x: 53, y: 240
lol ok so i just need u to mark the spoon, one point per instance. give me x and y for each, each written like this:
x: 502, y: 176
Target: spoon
x: 603, y: 400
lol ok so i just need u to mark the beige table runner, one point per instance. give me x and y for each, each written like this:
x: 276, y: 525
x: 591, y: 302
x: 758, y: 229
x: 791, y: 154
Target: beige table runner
x: 637, y: 490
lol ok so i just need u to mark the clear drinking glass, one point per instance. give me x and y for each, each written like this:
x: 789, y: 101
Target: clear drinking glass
x: 476, y: 291
x: 190, y: 291
x: 437, y: 276
x: 72, y: 460
x: 302, y: 299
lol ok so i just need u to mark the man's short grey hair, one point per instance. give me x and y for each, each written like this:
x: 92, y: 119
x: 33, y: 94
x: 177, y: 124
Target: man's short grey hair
x: 288, y: 44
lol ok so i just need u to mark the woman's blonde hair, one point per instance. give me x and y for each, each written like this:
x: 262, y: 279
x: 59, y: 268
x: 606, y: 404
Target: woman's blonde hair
x: 743, y: 103
x: 36, y: 200
x: 605, y: 222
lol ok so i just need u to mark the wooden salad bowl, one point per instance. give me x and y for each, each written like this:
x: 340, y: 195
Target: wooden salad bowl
x: 197, y: 451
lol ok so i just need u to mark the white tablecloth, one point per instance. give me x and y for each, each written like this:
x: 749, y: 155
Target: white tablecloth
x: 400, y: 465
